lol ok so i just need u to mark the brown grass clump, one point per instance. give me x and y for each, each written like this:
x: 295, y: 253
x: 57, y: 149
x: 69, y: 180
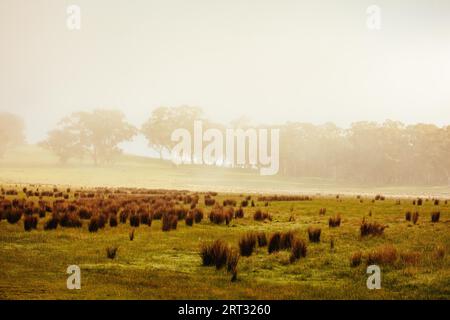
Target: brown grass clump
x: 169, y: 222
x: 217, y: 215
x: 298, y: 249
x: 84, y: 213
x: 229, y: 202
x: 410, y: 258
x: 70, y: 220
x: 435, y: 216
x: 93, y: 224
x: 261, y: 216
x: 232, y: 262
x: 214, y: 254
x: 335, y: 221
x: 408, y: 216
x: 383, y: 255
x: 209, y: 202
x: 286, y: 240
x: 415, y: 217
x: 51, y: 224
x: 189, y: 220
x: 123, y: 216
x: 113, y: 221
x: 30, y: 222
x: 314, y: 234
x: 274, y: 242
x: 13, y: 216
x: 355, y: 259
x: 239, y: 213
x: 371, y: 228
x: 198, y: 215
x: 262, y: 239
x: 111, y: 252
x: 247, y: 244
x: 135, y: 220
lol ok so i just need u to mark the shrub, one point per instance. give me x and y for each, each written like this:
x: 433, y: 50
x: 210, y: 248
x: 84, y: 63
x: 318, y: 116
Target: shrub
x: 30, y: 222
x: 84, y: 213
x: 145, y: 218
x: 215, y: 253
x: 274, y: 242
x: 70, y: 220
x: 229, y: 202
x: 102, y: 221
x: 13, y: 216
x: 314, y: 234
x: 217, y: 215
x: 123, y: 216
x: 386, y: 254
x: 198, y: 215
x: 51, y: 224
x: 262, y: 239
x: 371, y: 228
x: 239, y: 213
x: 169, y: 221
x: 335, y: 221
x: 189, y: 219
x: 247, y: 244
x: 286, y: 240
x: 435, y: 216
x: 93, y: 224
x: 355, y: 259
x: 415, y: 217
x: 173, y: 222
x: 113, y: 221
x: 232, y: 262
x: 111, y: 252
x: 408, y: 216
x: 261, y: 216
x: 135, y: 220
x: 298, y: 249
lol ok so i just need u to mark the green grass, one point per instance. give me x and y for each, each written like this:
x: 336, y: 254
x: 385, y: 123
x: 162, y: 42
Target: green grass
x: 167, y: 265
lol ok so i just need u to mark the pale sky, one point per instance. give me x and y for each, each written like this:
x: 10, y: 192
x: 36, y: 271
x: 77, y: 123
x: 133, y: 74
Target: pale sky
x: 273, y: 61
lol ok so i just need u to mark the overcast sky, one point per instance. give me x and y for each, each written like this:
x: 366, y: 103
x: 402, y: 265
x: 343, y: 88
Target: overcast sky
x: 273, y: 61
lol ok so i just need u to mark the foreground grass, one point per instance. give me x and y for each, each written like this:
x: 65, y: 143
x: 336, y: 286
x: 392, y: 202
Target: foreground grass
x: 167, y: 265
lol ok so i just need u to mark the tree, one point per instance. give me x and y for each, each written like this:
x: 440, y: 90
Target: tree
x: 11, y: 131
x: 96, y: 133
x: 65, y: 144
x: 164, y: 120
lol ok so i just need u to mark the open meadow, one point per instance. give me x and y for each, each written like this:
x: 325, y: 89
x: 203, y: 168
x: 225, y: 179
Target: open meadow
x: 160, y: 244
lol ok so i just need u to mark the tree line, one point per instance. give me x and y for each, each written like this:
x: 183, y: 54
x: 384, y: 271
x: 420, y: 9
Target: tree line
x: 389, y: 153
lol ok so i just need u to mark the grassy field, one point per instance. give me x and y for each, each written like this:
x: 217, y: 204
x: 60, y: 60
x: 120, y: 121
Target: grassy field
x: 167, y: 265
x: 31, y: 164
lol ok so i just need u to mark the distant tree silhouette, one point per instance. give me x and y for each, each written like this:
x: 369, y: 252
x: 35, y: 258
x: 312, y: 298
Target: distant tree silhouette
x: 11, y: 131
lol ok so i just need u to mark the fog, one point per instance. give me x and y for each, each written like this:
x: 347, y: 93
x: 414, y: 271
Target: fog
x: 273, y: 61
